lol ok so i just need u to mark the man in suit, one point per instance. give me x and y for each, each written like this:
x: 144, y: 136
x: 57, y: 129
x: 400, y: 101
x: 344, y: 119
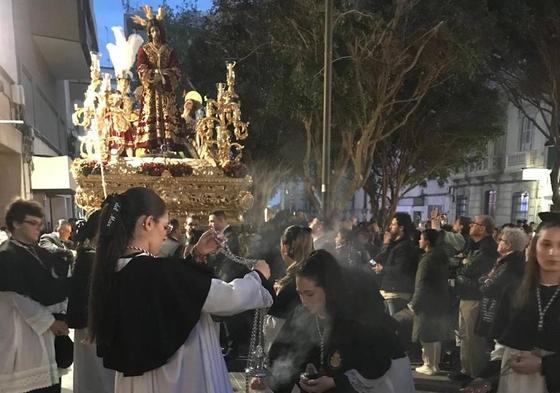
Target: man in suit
x: 219, y: 223
x: 55, y: 242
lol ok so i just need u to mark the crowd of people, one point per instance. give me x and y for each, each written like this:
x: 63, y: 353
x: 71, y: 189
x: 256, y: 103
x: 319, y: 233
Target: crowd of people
x: 155, y: 307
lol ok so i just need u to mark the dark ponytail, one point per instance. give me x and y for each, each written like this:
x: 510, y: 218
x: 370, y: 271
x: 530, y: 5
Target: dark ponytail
x: 86, y: 231
x: 119, y: 215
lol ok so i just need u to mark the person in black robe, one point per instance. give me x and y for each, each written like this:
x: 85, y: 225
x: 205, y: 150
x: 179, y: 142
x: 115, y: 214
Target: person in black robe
x: 89, y: 375
x: 333, y: 343
x: 142, y: 309
x: 34, y: 272
x: 527, y: 322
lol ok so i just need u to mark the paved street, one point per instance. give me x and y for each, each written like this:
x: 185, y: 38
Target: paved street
x: 424, y: 384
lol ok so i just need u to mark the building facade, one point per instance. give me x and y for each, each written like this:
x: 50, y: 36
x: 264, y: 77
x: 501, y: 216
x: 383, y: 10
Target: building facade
x: 44, y: 70
x: 511, y: 183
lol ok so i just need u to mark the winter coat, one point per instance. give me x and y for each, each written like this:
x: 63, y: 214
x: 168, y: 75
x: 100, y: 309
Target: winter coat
x: 506, y: 272
x: 430, y: 302
x: 400, y: 261
x: 480, y: 257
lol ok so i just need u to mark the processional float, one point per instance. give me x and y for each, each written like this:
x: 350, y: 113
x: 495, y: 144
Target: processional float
x: 192, y: 160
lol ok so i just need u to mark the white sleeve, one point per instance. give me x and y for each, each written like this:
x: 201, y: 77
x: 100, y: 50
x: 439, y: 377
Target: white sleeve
x: 240, y: 295
x: 35, y: 314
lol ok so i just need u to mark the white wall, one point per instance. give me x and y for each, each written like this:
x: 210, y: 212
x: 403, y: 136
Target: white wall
x: 7, y: 40
x: 43, y: 95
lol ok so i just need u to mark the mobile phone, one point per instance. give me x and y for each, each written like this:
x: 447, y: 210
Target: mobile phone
x: 310, y: 372
x: 372, y: 262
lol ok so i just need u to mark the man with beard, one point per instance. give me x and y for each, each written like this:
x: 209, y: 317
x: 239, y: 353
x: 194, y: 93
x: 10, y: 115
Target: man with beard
x: 396, y: 264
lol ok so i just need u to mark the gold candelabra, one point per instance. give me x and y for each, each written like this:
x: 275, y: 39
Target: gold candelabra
x: 197, y: 186
x: 106, y: 114
x: 218, y: 132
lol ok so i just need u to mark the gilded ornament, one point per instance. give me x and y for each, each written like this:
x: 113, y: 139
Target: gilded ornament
x: 116, y: 130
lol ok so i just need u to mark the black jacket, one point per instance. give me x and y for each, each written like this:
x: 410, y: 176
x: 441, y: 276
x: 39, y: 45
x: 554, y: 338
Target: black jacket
x: 286, y: 300
x: 400, y: 261
x: 507, y: 271
x: 350, y: 344
x: 225, y: 269
x: 77, y: 315
x: 481, y: 257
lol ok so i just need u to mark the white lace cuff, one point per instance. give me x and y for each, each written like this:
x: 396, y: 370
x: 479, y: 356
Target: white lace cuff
x: 363, y: 385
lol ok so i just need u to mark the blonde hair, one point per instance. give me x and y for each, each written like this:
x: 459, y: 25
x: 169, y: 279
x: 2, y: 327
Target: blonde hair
x: 300, y: 244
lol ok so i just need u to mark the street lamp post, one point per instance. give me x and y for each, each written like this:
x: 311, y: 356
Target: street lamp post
x: 327, y: 93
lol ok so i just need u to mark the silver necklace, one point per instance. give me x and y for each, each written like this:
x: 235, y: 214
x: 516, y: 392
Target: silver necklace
x: 141, y: 250
x: 224, y: 249
x: 321, y: 340
x: 542, y: 311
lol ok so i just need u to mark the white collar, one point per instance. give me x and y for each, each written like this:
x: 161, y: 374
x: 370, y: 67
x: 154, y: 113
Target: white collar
x: 122, y: 262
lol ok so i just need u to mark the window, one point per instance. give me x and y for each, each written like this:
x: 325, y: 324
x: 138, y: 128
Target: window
x: 490, y: 203
x: 520, y: 206
x: 461, y: 208
x: 432, y: 207
x: 526, y: 134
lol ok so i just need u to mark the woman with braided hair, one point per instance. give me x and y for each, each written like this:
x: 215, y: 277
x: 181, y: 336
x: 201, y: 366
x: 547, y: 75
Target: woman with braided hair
x: 151, y: 317
x: 296, y: 244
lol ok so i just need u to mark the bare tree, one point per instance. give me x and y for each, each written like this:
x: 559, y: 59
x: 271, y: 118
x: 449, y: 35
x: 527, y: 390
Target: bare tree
x: 449, y: 130
x: 383, y: 69
x: 527, y: 65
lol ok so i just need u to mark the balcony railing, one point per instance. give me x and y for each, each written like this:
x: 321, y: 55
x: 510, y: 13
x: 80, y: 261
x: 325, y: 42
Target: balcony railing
x: 487, y: 166
x: 525, y: 159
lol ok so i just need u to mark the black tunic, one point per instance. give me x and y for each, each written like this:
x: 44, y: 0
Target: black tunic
x: 32, y: 271
x: 77, y: 315
x: 349, y: 344
x: 517, y: 328
x: 286, y: 300
x: 155, y: 303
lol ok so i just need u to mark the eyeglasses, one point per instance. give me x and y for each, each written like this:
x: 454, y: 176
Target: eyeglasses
x: 36, y: 224
x: 476, y: 223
